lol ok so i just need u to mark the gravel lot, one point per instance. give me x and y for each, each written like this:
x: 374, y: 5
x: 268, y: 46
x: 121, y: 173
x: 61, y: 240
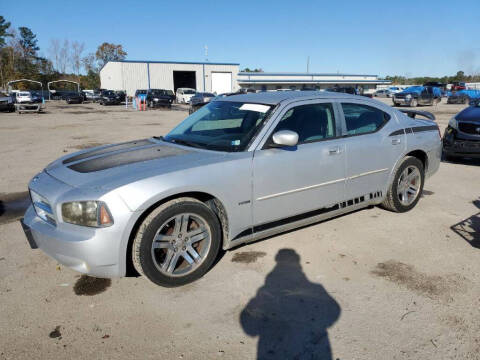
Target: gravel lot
x: 375, y: 284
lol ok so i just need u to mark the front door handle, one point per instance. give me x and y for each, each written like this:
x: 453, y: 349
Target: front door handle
x: 335, y: 150
x: 396, y: 141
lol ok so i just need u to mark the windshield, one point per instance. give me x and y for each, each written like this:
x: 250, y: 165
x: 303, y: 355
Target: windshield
x: 188, y: 91
x: 221, y: 125
x: 169, y: 92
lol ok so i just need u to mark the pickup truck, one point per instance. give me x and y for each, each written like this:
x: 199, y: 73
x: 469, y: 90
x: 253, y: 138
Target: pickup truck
x: 463, y: 96
x: 418, y: 95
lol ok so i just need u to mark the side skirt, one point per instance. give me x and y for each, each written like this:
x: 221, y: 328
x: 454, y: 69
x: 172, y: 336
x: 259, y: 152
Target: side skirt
x: 311, y: 217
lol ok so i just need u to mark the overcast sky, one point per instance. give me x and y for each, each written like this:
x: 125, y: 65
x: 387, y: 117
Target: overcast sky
x: 402, y: 37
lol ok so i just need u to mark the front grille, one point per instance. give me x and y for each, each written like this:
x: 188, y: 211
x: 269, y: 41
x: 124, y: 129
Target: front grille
x: 469, y: 128
x: 400, y: 96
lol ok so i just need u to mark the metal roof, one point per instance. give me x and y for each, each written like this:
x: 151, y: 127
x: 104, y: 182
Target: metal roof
x: 276, y: 97
x: 174, y: 62
x: 300, y: 81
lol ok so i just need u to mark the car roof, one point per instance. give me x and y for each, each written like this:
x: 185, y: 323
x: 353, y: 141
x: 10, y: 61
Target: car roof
x: 276, y: 97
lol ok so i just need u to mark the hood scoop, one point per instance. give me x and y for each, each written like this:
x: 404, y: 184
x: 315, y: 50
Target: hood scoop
x: 121, y: 154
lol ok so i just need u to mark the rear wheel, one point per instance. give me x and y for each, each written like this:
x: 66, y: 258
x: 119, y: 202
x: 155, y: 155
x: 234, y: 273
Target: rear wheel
x: 413, y: 103
x: 177, y: 243
x: 407, y: 186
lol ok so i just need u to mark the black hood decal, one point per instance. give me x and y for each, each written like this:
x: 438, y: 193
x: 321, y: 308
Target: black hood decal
x: 122, y: 154
x: 108, y: 149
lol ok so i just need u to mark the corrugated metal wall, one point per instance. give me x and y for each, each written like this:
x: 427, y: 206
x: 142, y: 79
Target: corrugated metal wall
x: 131, y: 76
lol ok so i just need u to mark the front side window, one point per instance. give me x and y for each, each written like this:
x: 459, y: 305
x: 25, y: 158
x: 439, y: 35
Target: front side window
x: 363, y: 119
x: 311, y: 122
x: 221, y: 125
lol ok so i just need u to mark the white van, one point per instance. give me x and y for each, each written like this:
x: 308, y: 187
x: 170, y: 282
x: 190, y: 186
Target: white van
x: 184, y: 95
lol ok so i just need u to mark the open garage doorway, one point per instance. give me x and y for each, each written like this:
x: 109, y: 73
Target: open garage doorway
x: 184, y: 79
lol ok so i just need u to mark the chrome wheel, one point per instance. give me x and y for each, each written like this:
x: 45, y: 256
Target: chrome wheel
x: 409, y: 185
x: 181, y: 244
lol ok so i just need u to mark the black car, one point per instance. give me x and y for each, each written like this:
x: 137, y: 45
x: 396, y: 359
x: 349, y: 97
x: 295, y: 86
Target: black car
x: 6, y: 102
x: 458, y: 98
x: 159, y: 97
x: 108, y: 97
x: 76, y: 98
x: 198, y: 100
x: 121, y: 95
x: 462, y: 136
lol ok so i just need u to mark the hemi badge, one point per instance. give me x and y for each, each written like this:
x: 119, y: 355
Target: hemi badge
x: 244, y: 202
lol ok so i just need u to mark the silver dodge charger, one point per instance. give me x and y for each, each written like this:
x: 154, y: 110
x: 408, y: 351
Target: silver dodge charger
x: 239, y: 169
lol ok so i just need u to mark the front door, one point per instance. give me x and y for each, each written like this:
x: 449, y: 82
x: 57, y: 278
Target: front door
x: 291, y: 181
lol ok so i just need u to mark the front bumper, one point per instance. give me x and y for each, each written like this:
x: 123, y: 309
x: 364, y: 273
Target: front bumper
x: 402, y: 101
x: 89, y: 251
x: 455, y: 144
x: 98, y: 252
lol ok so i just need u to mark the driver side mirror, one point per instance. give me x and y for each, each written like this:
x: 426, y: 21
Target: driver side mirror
x: 285, y: 138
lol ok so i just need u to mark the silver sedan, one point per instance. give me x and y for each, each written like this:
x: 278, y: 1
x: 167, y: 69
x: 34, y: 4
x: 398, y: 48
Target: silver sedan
x: 239, y: 169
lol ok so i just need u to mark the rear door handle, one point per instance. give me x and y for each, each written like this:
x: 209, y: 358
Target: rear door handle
x: 396, y: 141
x: 335, y: 150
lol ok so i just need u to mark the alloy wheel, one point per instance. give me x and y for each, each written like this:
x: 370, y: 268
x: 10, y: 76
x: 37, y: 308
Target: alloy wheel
x: 409, y: 184
x: 181, y: 244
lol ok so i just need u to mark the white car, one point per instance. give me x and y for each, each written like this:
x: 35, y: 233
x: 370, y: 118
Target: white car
x: 24, y: 97
x: 184, y: 95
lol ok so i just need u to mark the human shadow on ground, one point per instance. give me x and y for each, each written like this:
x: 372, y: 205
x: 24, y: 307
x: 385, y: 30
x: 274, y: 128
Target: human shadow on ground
x: 469, y: 229
x: 290, y: 314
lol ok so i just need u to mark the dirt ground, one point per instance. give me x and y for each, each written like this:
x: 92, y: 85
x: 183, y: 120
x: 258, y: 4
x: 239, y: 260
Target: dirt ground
x: 371, y: 285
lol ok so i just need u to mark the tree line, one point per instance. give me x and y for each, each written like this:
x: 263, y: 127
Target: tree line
x: 460, y: 76
x: 20, y: 58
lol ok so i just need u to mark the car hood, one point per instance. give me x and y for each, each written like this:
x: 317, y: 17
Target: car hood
x: 470, y: 114
x: 111, y: 166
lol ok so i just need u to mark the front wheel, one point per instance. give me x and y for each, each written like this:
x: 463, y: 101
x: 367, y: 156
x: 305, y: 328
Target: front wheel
x: 177, y: 243
x: 413, y: 103
x: 407, y: 186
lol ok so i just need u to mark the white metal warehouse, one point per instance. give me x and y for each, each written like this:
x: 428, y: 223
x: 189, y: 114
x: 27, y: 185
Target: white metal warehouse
x: 297, y: 81
x: 130, y: 75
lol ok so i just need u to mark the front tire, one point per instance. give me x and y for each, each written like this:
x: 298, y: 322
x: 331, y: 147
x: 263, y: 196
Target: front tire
x: 177, y: 243
x: 407, y: 186
x: 414, y: 103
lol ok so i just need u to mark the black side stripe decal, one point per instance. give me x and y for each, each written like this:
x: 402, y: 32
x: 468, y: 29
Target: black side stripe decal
x: 398, y: 132
x: 425, y: 128
x: 415, y: 130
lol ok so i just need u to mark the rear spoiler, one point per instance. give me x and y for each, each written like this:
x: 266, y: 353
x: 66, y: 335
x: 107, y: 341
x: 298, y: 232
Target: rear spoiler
x: 414, y: 113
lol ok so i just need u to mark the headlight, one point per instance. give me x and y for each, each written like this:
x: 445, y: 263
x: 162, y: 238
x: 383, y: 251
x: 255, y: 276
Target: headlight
x: 453, y: 123
x: 408, y: 96
x: 87, y: 213
x: 42, y: 207
x: 155, y: 99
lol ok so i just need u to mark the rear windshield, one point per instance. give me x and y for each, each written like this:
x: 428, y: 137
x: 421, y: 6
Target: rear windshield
x: 23, y: 94
x: 188, y: 92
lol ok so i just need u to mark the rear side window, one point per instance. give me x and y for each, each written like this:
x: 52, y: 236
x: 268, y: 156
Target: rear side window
x: 312, y: 122
x: 363, y: 119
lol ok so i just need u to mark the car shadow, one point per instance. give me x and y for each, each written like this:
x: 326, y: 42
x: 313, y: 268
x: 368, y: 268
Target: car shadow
x: 469, y: 229
x: 462, y: 161
x: 290, y: 314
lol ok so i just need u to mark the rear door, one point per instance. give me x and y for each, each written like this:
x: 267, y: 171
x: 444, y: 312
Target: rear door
x: 373, y: 145
x: 292, y: 181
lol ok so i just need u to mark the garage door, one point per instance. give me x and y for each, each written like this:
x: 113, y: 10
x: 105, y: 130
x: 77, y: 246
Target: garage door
x: 221, y: 82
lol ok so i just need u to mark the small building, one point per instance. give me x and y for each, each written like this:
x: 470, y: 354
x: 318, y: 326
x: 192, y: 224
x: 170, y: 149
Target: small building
x: 298, y: 81
x: 131, y: 75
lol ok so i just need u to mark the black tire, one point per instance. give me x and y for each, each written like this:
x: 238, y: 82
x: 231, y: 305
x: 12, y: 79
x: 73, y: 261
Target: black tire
x: 142, y: 244
x: 396, y: 104
x: 392, y: 201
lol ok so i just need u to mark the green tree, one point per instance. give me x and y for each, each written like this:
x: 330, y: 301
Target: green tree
x: 28, y: 42
x: 109, y: 52
x: 4, y: 25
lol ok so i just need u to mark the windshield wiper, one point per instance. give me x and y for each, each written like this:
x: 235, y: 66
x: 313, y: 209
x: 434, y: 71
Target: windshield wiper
x: 185, y: 142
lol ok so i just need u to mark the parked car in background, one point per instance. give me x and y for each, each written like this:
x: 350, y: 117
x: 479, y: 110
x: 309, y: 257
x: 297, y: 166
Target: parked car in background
x: 462, y: 135
x: 158, y: 97
x: 418, y: 95
x: 239, y: 169
x: 108, y: 97
x: 198, y: 100
x: 184, y: 95
x: 23, y: 97
x: 121, y: 95
x: 6, y: 102
x: 456, y: 86
x: 350, y: 90
x: 383, y: 93
x: 77, y: 98
x: 463, y: 96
